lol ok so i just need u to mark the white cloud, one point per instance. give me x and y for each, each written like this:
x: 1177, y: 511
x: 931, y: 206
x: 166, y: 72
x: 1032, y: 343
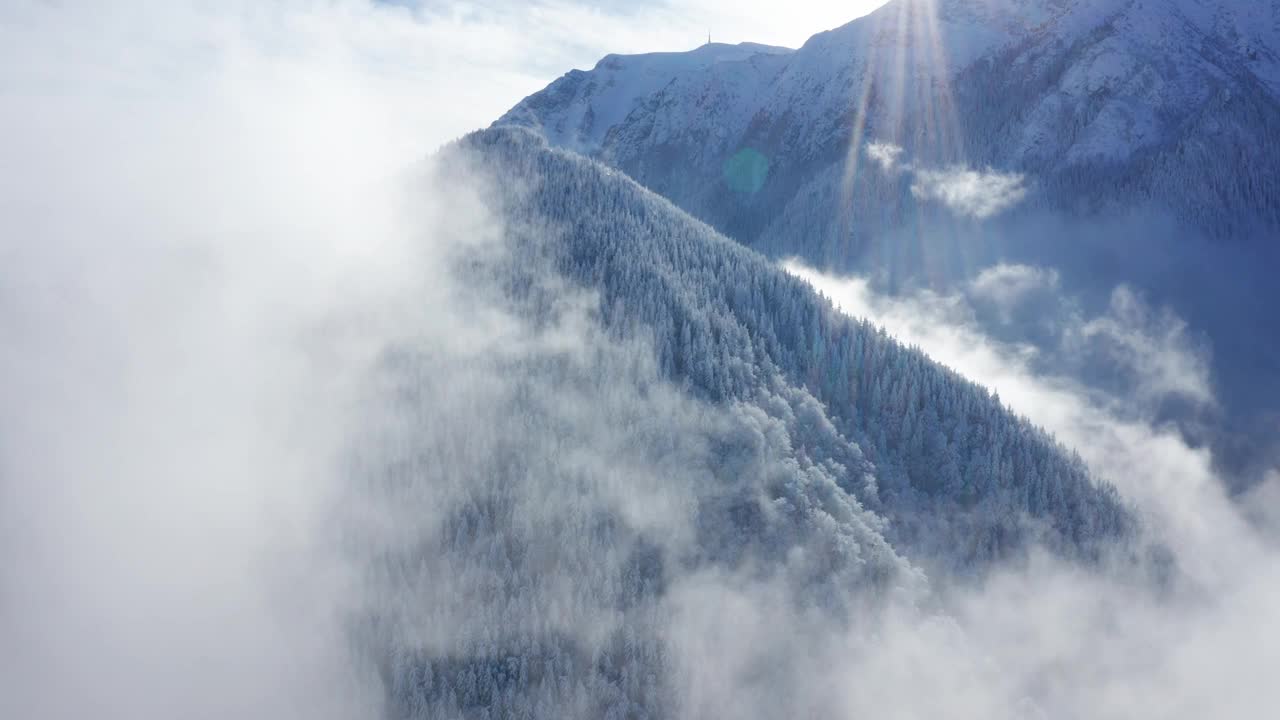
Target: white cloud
x: 886, y: 154
x: 1156, y: 345
x: 1150, y: 351
x: 978, y: 194
x: 1006, y: 284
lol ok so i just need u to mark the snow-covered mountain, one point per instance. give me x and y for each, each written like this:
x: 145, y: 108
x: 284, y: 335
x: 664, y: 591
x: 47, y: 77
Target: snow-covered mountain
x: 783, y: 441
x: 583, y: 106
x: 1119, y: 141
x: 1167, y: 100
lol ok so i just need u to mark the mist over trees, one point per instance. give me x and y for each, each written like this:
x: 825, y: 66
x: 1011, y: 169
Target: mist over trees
x: 668, y: 411
x: 724, y: 319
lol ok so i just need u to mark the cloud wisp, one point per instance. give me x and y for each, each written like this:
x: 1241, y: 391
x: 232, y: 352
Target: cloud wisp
x: 1150, y: 354
x: 974, y: 193
x: 1156, y: 345
x: 1009, y: 286
x: 977, y: 194
x: 886, y: 155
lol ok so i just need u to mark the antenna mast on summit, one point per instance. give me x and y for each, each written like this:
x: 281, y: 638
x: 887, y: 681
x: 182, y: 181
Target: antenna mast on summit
x: 708, y: 37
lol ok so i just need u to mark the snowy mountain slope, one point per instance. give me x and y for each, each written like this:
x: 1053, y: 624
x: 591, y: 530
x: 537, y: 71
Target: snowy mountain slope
x: 728, y: 323
x: 577, y: 110
x: 763, y: 443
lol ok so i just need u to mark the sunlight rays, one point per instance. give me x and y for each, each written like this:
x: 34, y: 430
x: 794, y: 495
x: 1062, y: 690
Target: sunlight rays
x: 855, y: 146
x: 903, y: 97
x: 944, y: 131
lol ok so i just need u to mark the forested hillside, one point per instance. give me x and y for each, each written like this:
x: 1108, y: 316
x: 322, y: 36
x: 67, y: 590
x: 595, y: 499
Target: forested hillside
x: 726, y: 321
x: 681, y: 414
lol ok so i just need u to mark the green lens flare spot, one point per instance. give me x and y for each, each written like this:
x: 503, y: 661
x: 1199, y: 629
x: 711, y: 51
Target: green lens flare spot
x: 746, y: 171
